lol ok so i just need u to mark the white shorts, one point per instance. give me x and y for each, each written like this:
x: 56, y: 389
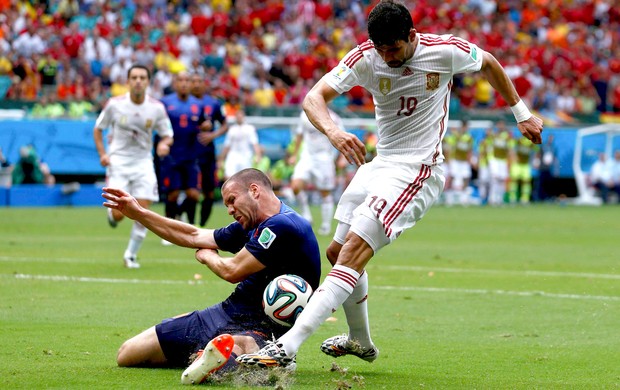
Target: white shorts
x: 320, y: 172
x: 498, y: 169
x: 235, y: 163
x: 386, y: 198
x: 460, y: 170
x: 483, y: 174
x: 136, y: 177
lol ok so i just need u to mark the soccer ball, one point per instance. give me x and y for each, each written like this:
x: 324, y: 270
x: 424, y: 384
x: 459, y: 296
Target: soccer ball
x: 285, y: 297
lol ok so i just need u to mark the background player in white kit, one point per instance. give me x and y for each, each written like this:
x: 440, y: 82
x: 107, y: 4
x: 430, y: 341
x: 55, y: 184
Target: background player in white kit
x: 316, y: 165
x: 241, y: 148
x: 410, y: 77
x: 132, y: 118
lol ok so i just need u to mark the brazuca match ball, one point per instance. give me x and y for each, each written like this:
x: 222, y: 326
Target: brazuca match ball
x: 285, y: 297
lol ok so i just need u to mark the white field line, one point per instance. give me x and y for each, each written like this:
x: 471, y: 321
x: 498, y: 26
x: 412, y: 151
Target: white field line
x: 498, y: 272
x: 501, y: 292
x: 436, y: 270
x: 62, y: 278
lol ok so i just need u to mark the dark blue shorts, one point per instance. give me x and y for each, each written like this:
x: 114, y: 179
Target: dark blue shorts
x: 180, y: 337
x: 179, y: 175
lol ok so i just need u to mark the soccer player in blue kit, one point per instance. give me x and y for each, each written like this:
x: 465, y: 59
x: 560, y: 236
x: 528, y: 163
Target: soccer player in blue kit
x: 179, y: 170
x: 268, y: 239
x: 215, y: 126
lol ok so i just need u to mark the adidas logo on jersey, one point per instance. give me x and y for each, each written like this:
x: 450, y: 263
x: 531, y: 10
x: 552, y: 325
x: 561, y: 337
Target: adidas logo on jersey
x: 407, y: 72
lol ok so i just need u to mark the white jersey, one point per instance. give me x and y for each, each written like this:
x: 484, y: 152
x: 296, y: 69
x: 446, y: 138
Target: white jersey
x: 316, y: 145
x: 412, y: 101
x: 241, y: 140
x: 131, y: 127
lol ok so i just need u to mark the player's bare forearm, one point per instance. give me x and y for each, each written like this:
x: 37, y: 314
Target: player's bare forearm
x: 177, y: 232
x: 232, y: 269
x: 315, y: 106
x: 532, y: 127
x: 499, y: 80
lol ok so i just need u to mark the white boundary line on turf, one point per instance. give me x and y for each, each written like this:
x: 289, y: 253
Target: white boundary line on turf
x: 497, y: 272
x: 535, y: 273
x: 62, y: 278
x: 501, y: 292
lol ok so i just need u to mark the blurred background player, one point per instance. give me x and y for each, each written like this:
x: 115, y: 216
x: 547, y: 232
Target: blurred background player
x: 241, y: 148
x: 601, y: 176
x: 179, y: 170
x: 132, y: 118
x: 498, y: 163
x: 215, y: 125
x: 521, y: 154
x: 548, y: 156
x: 483, y: 181
x: 315, y: 168
x: 461, y: 146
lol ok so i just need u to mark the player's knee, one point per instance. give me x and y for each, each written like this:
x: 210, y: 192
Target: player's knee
x: 123, y: 355
x: 244, y: 344
x: 193, y: 194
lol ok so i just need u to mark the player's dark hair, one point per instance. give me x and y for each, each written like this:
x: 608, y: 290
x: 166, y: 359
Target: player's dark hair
x: 247, y: 176
x: 389, y: 22
x: 139, y: 66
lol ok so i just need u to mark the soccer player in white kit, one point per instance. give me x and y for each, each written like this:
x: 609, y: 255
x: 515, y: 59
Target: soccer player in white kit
x: 410, y: 76
x: 241, y: 148
x: 317, y: 166
x: 132, y: 118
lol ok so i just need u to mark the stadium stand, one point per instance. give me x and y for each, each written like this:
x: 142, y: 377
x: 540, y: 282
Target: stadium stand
x: 563, y: 57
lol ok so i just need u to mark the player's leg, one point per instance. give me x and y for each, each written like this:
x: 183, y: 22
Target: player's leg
x: 299, y: 179
x: 136, y: 238
x: 526, y: 183
x: 334, y: 290
x: 514, y: 179
x: 116, y: 178
x: 324, y: 176
x: 141, y: 350
x: 327, y: 212
x: 207, y: 180
x: 355, y: 306
x: 143, y: 187
x: 189, y: 180
x: 301, y: 196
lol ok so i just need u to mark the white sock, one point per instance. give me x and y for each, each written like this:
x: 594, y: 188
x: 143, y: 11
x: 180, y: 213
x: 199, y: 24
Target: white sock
x: 327, y: 210
x: 356, y: 309
x: 334, y: 290
x: 138, y: 233
x: 302, y: 202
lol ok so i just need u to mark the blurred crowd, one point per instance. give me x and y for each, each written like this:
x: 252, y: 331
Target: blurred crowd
x: 563, y: 56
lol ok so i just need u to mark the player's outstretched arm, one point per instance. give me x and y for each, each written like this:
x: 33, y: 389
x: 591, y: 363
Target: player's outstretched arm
x: 529, y: 125
x: 315, y: 106
x: 177, y: 232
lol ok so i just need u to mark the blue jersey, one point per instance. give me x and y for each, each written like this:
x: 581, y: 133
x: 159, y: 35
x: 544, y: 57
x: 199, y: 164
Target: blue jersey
x: 186, y: 117
x: 284, y: 243
x: 213, y: 112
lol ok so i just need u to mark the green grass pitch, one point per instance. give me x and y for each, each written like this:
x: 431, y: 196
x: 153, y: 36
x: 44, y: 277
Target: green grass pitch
x: 470, y: 298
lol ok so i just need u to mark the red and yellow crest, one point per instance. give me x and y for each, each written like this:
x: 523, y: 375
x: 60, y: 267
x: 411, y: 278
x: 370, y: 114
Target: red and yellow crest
x: 432, y: 81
